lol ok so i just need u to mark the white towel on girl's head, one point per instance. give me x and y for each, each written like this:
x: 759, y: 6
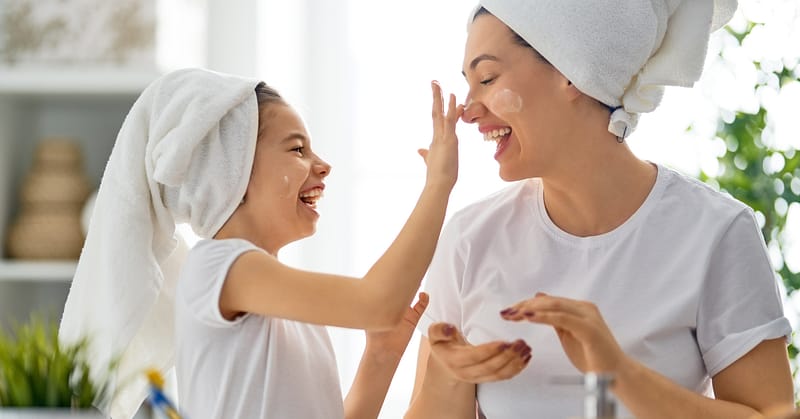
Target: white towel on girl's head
x: 183, y: 154
x: 620, y: 52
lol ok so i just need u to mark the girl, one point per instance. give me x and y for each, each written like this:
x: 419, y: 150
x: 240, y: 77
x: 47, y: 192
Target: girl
x: 230, y: 157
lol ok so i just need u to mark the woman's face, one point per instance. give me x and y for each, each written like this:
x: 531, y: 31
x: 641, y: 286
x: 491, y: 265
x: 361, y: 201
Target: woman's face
x: 514, y: 97
x: 286, y: 181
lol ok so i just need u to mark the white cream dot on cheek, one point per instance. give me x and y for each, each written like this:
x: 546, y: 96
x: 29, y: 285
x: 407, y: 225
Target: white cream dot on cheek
x: 288, y: 188
x: 505, y: 102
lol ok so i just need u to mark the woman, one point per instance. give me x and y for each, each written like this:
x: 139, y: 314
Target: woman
x: 602, y: 262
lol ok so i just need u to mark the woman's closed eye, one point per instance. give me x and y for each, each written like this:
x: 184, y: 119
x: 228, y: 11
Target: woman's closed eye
x: 299, y: 149
x: 488, y: 80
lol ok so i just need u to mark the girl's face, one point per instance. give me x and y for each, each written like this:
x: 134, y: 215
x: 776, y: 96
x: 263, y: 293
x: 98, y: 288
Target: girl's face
x: 286, y: 181
x: 515, y: 98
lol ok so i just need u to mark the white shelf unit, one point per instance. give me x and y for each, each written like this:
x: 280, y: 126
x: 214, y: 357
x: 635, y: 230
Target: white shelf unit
x: 86, y: 104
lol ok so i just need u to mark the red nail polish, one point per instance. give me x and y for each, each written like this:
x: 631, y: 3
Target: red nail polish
x: 448, y: 330
x: 529, y: 314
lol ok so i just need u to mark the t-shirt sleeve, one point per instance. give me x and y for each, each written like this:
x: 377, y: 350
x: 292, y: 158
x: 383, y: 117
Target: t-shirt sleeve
x: 204, y: 274
x: 740, y: 305
x: 443, y: 281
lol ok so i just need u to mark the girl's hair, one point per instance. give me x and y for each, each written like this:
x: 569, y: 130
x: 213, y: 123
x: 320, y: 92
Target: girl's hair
x: 517, y: 38
x: 266, y: 97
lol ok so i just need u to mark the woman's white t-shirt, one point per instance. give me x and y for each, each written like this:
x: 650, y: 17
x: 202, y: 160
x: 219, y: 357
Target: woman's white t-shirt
x: 685, y: 284
x: 254, y: 366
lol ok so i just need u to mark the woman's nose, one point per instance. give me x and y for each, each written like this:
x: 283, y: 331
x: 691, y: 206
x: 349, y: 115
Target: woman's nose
x: 472, y: 111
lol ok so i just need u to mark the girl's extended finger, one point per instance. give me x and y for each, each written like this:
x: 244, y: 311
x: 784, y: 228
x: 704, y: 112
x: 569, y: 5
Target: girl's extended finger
x: 422, y: 302
x: 438, y: 102
x: 452, y: 109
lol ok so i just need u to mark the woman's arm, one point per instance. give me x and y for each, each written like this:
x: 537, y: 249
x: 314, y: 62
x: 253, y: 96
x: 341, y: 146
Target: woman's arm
x: 758, y: 383
x: 259, y: 283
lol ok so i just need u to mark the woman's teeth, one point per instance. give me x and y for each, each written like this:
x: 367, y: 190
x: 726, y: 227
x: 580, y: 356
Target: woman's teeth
x: 311, y: 197
x: 496, y: 134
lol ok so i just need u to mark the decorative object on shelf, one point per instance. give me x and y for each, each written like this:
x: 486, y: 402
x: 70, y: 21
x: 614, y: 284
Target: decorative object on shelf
x: 78, y: 32
x: 52, y: 196
x: 41, y: 379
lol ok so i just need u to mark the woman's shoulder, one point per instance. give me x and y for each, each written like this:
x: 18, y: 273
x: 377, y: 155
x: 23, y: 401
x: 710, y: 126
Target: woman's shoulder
x: 499, y: 200
x: 689, y: 196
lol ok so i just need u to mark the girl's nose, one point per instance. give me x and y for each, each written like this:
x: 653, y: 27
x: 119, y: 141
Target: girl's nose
x: 322, y: 168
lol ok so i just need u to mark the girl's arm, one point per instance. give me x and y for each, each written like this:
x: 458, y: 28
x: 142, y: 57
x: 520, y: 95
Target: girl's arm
x: 381, y: 357
x: 259, y: 283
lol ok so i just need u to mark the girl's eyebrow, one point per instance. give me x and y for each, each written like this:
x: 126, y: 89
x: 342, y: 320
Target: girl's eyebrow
x: 295, y: 136
x: 475, y: 61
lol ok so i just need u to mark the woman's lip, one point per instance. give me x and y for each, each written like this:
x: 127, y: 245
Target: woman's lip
x: 502, y: 144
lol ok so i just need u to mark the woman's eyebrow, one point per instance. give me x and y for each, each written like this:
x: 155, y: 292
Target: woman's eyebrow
x: 475, y: 61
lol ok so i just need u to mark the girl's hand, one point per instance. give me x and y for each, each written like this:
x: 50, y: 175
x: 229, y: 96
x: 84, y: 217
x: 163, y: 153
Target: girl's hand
x: 442, y: 156
x: 392, y: 343
x: 584, y: 335
x: 491, y: 361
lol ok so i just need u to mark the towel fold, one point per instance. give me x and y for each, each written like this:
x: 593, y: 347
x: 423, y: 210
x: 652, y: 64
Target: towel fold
x: 183, y: 155
x: 620, y: 52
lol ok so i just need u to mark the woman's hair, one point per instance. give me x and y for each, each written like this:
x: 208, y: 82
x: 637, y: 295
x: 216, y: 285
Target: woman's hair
x: 517, y: 38
x: 266, y: 97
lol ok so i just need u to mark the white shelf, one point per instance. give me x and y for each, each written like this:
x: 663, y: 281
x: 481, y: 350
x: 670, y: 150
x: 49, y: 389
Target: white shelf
x: 74, y: 81
x: 37, y: 271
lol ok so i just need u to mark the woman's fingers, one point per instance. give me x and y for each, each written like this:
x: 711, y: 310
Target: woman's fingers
x: 528, y: 309
x: 477, y: 363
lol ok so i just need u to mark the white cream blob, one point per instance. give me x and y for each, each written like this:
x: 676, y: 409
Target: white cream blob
x: 505, y: 102
x: 288, y: 189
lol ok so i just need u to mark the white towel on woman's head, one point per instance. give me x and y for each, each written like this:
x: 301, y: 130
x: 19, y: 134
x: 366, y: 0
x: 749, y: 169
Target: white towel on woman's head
x: 183, y: 154
x: 620, y: 52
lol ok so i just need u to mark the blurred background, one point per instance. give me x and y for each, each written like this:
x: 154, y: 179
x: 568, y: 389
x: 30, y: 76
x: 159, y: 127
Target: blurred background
x: 359, y: 72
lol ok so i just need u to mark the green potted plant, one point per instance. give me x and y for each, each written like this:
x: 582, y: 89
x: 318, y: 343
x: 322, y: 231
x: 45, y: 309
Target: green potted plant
x: 41, y: 379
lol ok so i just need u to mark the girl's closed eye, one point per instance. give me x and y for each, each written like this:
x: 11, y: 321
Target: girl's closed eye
x: 299, y: 149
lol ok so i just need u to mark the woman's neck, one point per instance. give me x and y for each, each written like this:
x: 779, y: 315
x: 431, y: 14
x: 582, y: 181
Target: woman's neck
x: 599, y: 190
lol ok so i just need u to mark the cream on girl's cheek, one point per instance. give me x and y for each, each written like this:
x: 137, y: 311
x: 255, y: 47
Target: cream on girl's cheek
x: 288, y: 190
x: 505, y: 102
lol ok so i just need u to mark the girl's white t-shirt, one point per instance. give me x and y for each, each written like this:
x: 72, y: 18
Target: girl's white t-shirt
x: 254, y: 366
x: 685, y: 284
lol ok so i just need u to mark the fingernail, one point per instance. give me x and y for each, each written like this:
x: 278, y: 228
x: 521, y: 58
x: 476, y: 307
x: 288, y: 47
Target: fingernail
x: 527, y: 358
x: 519, y: 346
x: 529, y: 314
x: 505, y: 346
x: 448, y: 330
x: 508, y: 312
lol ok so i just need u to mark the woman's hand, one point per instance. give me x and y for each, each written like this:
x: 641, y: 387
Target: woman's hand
x: 392, y: 343
x: 584, y: 335
x: 491, y: 361
x: 442, y: 156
